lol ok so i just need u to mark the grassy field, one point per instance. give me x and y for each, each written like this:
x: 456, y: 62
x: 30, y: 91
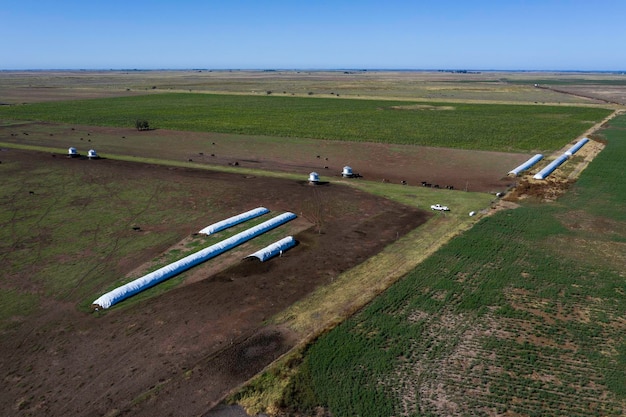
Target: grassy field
x: 503, y: 87
x: 57, y: 235
x: 69, y: 228
x: 523, y: 314
x: 331, y: 304
x: 511, y: 128
x: 568, y: 81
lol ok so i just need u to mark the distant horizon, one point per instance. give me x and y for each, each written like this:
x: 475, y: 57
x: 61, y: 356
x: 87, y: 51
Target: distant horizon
x: 449, y: 70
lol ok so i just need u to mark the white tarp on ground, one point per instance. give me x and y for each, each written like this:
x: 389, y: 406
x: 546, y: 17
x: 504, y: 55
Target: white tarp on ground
x: 571, y: 151
x: 274, y: 249
x: 526, y: 165
x: 541, y: 175
x: 231, y: 221
x: 168, y: 271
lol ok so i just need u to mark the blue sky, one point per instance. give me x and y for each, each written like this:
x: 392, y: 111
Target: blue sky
x: 315, y: 34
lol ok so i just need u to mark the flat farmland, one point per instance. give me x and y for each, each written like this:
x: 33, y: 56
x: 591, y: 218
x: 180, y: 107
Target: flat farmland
x: 468, y: 170
x: 494, y: 127
x: 73, y: 228
x: 490, y: 86
x: 522, y: 315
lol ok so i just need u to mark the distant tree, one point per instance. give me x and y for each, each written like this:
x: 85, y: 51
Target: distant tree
x: 142, y: 124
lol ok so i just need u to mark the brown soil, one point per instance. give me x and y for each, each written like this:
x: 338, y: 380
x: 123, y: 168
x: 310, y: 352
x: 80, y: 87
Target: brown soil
x: 194, y: 343
x: 545, y: 190
x: 466, y: 170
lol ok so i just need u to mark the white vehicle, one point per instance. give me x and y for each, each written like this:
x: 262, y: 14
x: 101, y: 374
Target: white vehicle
x: 439, y: 207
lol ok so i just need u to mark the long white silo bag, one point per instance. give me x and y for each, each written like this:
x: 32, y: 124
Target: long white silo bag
x: 127, y: 290
x: 232, y: 221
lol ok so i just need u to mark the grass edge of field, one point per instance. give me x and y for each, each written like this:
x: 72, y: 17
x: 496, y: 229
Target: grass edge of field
x: 352, y: 290
x: 265, y: 390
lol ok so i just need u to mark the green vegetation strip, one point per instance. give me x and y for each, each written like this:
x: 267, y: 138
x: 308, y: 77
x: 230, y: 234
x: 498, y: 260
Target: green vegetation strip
x: 516, y: 128
x: 521, y: 315
x: 331, y: 304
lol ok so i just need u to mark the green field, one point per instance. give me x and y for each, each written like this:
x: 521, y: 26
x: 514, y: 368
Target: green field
x: 511, y: 128
x: 523, y: 314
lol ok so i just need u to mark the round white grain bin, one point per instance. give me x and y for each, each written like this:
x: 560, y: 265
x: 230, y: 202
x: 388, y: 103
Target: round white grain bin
x: 314, y: 177
x: 347, y: 171
x: 72, y: 152
x: 92, y: 154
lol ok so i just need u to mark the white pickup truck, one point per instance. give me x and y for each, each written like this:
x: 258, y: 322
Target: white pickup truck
x: 439, y: 207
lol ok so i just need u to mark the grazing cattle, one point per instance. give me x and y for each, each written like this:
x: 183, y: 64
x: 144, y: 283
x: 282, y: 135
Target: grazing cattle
x: 423, y: 183
x: 436, y: 186
x: 403, y: 182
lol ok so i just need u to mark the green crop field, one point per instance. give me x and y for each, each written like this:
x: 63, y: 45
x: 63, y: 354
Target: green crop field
x: 514, y: 128
x: 523, y: 314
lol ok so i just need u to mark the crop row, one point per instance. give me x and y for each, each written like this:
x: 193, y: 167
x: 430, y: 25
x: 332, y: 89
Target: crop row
x: 500, y: 319
x: 516, y: 128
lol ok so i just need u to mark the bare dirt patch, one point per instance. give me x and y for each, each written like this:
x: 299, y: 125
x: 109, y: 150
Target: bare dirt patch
x: 545, y: 190
x: 179, y: 353
x: 465, y: 170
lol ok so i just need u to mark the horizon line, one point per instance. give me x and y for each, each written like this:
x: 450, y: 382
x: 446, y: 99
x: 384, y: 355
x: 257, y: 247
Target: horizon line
x: 455, y: 70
